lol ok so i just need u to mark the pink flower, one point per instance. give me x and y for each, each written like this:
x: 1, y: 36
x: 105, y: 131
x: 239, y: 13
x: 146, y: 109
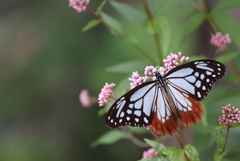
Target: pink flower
x: 106, y: 94
x: 229, y: 115
x: 84, y: 98
x: 220, y: 40
x: 79, y: 5
x: 149, y: 153
x: 137, y: 79
x: 172, y: 61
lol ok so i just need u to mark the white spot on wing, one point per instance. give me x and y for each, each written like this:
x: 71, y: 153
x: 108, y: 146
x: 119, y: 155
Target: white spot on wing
x: 145, y: 120
x: 137, y: 113
x: 129, y: 112
x: 208, y: 73
x: 191, y: 79
x: 198, y: 84
x: 202, y: 76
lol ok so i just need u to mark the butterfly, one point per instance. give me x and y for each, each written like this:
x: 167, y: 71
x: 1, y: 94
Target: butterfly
x: 171, y: 98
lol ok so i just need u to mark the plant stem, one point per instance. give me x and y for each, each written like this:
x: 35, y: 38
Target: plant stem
x: 158, y: 139
x: 225, y: 144
x: 214, y: 52
x: 156, y: 36
x: 122, y: 36
x: 134, y: 139
x: 209, y: 18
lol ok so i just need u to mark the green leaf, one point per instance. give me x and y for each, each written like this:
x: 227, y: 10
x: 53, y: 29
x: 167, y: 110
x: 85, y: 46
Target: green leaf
x: 219, y: 155
x: 228, y: 57
x: 90, y: 25
x: 174, y: 153
x: 220, y: 126
x: 151, y: 26
x: 220, y: 138
x: 235, y: 125
x: 164, y: 25
x: 130, y: 39
x: 227, y: 24
x: 110, y: 137
x: 224, y: 5
x: 128, y: 67
x: 155, y: 145
x: 100, y: 7
x: 193, y: 23
x: 191, y: 153
x: 132, y: 14
x: 112, y: 22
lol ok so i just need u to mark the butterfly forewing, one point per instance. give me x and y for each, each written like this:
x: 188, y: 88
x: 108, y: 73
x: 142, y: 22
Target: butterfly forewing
x: 196, y: 78
x: 135, y: 108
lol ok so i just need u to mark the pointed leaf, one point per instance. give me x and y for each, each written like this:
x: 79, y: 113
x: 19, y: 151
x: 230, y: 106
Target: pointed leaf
x: 220, y: 138
x: 235, y: 125
x: 193, y: 23
x: 130, y: 39
x: 100, y: 7
x: 219, y: 155
x: 164, y: 25
x: 128, y: 67
x: 175, y: 153
x: 220, y: 126
x: 223, y: 21
x: 109, y: 137
x: 132, y: 14
x: 155, y: 145
x: 115, y: 24
x: 191, y: 153
x: 228, y: 57
x: 224, y: 5
x: 90, y: 25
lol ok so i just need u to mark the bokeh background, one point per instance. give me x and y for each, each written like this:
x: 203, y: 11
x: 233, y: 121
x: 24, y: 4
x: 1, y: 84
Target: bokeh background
x: 45, y: 61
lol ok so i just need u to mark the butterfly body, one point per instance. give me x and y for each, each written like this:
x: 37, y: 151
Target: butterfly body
x: 162, y: 103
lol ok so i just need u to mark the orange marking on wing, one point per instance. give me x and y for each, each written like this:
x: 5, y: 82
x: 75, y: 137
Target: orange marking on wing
x: 168, y: 127
x: 193, y: 116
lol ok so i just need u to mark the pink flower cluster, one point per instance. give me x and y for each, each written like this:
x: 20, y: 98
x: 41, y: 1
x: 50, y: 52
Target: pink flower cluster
x: 172, y: 61
x: 84, y: 98
x: 220, y: 40
x: 137, y: 79
x: 149, y: 153
x: 106, y: 93
x: 79, y: 5
x: 229, y: 115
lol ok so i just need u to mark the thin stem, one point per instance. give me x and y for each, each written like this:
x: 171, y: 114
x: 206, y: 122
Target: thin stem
x: 156, y: 36
x: 134, y: 139
x: 209, y: 18
x: 225, y: 144
x: 179, y: 140
x: 158, y: 139
x: 122, y: 36
x: 214, y: 52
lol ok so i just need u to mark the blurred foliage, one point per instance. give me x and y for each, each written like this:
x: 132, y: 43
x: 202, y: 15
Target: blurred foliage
x: 45, y: 60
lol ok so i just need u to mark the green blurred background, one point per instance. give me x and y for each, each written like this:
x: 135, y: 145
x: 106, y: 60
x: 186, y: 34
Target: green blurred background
x: 45, y: 62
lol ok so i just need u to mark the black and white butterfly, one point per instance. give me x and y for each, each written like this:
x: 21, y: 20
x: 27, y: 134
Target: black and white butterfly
x: 161, y: 103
